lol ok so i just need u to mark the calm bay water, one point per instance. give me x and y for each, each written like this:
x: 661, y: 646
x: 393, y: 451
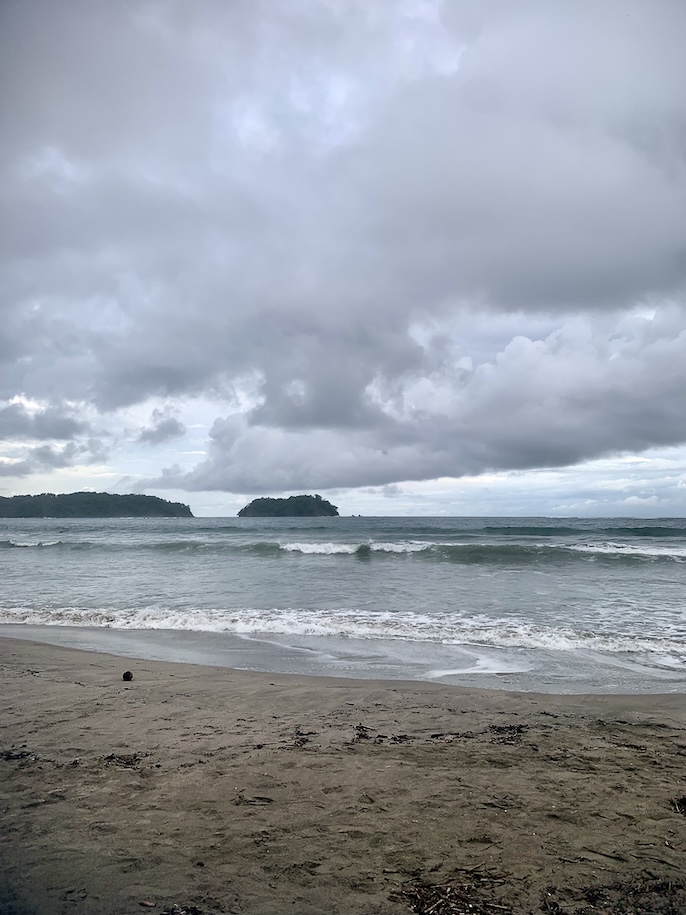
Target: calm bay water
x: 556, y: 605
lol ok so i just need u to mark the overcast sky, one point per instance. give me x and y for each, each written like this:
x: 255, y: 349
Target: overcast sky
x: 416, y: 256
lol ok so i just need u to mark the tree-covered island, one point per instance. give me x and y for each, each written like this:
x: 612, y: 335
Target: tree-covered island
x: 91, y: 505
x: 292, y: 507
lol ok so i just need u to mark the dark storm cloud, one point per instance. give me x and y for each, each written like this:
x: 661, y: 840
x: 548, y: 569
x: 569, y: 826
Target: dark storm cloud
x: 389, y: 241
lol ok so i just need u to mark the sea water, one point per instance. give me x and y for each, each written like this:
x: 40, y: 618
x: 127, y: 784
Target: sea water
x: 553, y: 605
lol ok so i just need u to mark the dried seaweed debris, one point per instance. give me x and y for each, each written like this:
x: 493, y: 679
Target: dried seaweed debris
x: 470, y: 893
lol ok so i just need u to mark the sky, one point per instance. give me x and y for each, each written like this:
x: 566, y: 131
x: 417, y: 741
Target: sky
x: 419, y: 257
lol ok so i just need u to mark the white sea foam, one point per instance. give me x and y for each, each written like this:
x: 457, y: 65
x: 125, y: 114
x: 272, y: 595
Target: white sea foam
x: 333, y: 549
x: 611, y: 548
x: 405, y: 546
x: 29, y: 544
x: 323, y: 549
x: 442, y: 628
x: 595, y: 549
x: 481, y: 665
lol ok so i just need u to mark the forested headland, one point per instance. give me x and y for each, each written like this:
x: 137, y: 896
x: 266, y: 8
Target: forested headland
x: 91, y: 505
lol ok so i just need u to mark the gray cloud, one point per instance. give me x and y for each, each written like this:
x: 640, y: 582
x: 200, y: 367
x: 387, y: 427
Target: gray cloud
x: 17, y: 469
x: 387, y: 241
x: 46, y: 458
x: 17, y: 422
x: 587, y: 389
x: 162, y: 428
x: 30, y: 436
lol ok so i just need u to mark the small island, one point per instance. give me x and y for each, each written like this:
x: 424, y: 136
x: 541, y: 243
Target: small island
x: 91, y: 505
x: 292, y: 507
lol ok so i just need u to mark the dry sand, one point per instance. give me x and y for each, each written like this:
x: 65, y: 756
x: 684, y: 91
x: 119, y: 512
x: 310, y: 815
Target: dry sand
x: 212, y: 790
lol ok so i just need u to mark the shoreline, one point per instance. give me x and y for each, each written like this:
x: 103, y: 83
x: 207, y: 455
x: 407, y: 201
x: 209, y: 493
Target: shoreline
x: 376, y: 660
x: 259, y: 793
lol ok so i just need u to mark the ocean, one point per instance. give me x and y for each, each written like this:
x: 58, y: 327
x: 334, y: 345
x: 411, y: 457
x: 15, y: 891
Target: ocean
x: 551, y: 605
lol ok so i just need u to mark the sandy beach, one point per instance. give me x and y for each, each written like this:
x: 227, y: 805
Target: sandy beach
x: 206, y: 790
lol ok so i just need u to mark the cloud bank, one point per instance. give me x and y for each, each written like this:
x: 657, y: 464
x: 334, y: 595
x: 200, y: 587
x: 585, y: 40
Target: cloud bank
x: 359, y: 244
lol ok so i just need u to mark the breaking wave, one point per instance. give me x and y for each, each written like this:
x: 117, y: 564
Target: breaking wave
x: 444, y: 628
x: 466, y: 553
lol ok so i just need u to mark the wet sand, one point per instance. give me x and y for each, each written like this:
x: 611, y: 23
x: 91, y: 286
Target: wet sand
x: 214, y: 791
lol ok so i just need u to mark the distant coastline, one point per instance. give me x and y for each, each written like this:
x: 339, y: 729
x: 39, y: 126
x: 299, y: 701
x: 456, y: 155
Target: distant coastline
x: 91, y: 505
x: 292, y: 507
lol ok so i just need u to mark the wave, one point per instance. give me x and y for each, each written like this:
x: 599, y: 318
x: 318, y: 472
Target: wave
x: 613, y: 550
x: 461, y: 553
x: 526, y: 530
x: 359, y: 549
x: 442, y: 628
x: 28, y: 544
x: 649, y: 531
x: 501, y: 554
x: 610, y: 531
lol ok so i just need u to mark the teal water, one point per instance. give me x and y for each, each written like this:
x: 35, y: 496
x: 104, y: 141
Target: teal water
x: 559, y: 605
